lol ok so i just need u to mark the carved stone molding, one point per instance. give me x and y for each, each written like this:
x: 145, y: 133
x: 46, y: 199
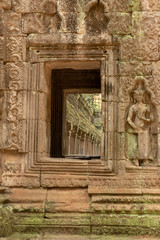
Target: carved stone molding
x: 38, y: 159
x: 135, y: 185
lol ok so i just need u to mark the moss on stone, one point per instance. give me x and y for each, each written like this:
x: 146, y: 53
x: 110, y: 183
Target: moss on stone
x: 134, y: 5
x: 132, y: 145
x: 6, y: 221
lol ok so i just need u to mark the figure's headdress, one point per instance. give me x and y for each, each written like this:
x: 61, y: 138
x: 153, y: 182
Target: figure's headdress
x: 139, y: 90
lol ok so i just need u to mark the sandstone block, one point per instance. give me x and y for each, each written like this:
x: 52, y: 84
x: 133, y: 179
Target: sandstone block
x: 30, y: 181
x: 149, y: 5
x: 42, y: 137
x: 58, y: 181
x: 135, y: 68
x: 116, y: 5
x: 21, y: 195
x: 124, y: 85
x: 74, y: 200
x: 15, y: 49
x: 1, y: 22
x: 145, y: 23
x: 1, y: 75
x: 121, y: 153
x: 36, y: 23
x: 68, y: 6
x: 110, y: 89
x: 13, y: 24
x: 38, y: 6
x: 156, y: 68
x: 1, y: 48
x: 122, y: 116
x: 14, y: 76
x: 43, y: 111
x: 5, y: 4
x: 139, y: 49
x: 119, y: 24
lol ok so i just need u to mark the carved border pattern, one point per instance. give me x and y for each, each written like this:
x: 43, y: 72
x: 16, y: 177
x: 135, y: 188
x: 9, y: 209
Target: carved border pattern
x: 15, y: 106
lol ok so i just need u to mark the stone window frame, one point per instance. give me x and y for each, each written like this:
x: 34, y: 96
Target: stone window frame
x: 42, y: 61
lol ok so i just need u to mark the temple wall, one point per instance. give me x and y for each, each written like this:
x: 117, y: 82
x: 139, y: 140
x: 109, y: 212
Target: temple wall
x: 119, y: 193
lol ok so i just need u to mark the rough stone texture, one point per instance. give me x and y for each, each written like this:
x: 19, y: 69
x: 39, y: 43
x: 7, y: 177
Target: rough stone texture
x: 48, y: 236
x: 119, y: 37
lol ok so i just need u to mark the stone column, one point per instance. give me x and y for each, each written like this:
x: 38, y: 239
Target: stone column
x: 109, y: 108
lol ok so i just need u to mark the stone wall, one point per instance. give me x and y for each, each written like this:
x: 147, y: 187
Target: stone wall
x: 120, y: 192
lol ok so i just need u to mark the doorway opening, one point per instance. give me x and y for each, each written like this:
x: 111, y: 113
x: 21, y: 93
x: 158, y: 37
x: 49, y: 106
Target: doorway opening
x: 76, y: 123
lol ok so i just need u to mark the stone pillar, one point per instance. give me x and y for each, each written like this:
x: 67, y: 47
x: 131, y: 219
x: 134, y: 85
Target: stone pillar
x: 109, y: 109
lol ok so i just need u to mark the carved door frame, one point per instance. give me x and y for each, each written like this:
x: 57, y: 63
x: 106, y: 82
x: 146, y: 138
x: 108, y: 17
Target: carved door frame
x: 46, y: 59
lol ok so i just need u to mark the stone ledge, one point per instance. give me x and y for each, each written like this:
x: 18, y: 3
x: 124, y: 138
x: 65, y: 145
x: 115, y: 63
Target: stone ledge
x: 134, y: 169
x: 90, y: 224
x: 53, y: 39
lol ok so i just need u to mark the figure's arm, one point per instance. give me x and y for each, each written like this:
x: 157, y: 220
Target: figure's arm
x: 150, y: 117
x: 129, y: 119
x: 151, y: 114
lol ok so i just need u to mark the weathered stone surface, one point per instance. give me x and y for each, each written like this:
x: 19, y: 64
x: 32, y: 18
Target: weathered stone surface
x: 118, y: 38
x: 22, y: 195
x: 16, y: 76
x: 1, y: 48
x: 156, y: 68
x: 6, y: 4
x: 7, y: 219
x: 1, y: 22
x: 51, y: 39
x: 23, y: 6
x: 139, y: 49
x: 15, y: 49
x: 149, y: 5
x: 125, y: 83
x: 30, y: 181
x: 96, y: 20
x: 64, y: 181
x: 13, y: 24
x: 119, y: 24
x: 1, y: 75
x: 51, y: 236
x: 122, y: 116
x: 131, y: 185
x: 66, y: 6
x: 145, y: 23
x: 37, y: 23
x: 75, y: 200
x: 135, y: 68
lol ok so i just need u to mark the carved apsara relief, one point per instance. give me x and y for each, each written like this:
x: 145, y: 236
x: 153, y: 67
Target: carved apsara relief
x: 141, y: 125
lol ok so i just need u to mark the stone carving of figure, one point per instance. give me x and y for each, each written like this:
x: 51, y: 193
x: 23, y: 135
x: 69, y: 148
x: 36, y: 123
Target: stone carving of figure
x: 140, y: 118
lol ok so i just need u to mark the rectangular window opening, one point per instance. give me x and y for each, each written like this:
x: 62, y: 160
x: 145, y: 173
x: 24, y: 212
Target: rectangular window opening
x: 82, y: 125
x: 76, y: 125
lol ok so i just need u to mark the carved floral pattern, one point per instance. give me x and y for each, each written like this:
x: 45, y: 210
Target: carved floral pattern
x: 14, y: 49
